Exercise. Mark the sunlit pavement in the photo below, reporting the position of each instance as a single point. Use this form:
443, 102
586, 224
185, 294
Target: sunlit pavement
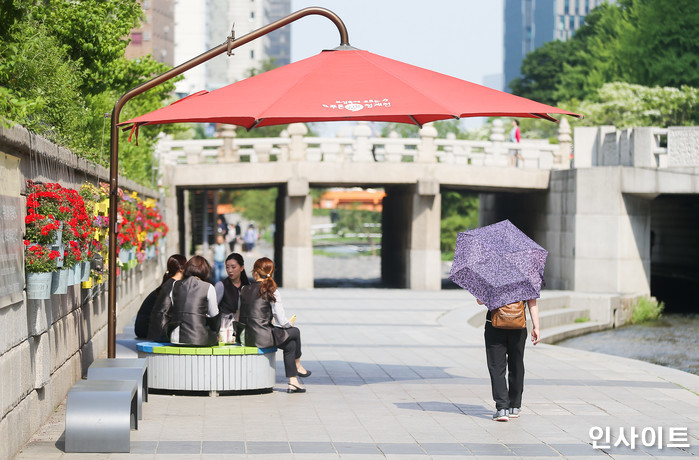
400, 374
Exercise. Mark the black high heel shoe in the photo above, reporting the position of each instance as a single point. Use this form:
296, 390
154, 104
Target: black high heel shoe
307, 374
294, 389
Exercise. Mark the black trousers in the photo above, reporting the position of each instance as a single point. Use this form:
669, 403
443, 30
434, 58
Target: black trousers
504, 350
292, 350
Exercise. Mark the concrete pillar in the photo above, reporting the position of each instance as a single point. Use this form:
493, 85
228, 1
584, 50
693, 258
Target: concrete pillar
612, 235
498, 155
644, 143
283, 148
424, 258
393, 148
297, 250
561, 159
297, 147
228, 153
262, 152
362, 146
427, 149
193, 153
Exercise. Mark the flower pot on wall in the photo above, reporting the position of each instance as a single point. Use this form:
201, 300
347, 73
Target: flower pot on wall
124, 255
77, 273
59, 284
39, 285
84, 271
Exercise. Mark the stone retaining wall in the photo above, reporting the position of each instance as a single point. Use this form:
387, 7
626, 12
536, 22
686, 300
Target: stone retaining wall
46, 345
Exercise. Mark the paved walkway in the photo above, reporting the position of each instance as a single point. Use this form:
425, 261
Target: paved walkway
401, 375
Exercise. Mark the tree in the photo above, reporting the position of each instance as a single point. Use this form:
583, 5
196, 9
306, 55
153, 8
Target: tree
257, 205
541, 72
459, 213
646, 42
625, 105
60, 74
663, 46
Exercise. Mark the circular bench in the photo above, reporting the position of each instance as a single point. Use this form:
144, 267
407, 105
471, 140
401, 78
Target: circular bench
213, 369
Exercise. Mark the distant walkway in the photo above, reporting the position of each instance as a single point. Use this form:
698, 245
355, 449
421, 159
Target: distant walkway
400, 374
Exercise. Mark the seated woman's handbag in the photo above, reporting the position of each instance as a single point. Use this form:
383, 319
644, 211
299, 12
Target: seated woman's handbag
510, 316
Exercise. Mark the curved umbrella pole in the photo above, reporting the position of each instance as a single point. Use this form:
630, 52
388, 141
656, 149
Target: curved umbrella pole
226, 47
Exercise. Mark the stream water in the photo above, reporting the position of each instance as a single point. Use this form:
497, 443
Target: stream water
671, 341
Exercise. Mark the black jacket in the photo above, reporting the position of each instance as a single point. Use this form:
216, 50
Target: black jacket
256, 314
190, 306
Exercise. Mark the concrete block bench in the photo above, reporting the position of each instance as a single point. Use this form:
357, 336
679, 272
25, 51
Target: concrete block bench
135, 369
213, 369
100, 415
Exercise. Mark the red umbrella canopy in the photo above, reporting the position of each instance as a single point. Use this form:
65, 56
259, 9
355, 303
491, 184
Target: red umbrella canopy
346, 84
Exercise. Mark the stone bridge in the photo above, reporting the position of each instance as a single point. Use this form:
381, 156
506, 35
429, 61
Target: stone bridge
627, 199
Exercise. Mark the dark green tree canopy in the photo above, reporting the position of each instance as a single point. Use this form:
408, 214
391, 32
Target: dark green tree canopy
62, 68
642, 42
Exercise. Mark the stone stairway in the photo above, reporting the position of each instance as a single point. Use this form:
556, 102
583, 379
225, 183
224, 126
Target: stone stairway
563, 316
559, 320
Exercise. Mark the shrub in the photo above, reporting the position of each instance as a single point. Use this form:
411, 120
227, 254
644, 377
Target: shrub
647, 309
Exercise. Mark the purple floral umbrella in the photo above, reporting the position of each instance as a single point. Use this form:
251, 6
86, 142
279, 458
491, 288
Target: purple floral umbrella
498, 264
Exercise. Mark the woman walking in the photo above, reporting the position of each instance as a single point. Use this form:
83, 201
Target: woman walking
504, 350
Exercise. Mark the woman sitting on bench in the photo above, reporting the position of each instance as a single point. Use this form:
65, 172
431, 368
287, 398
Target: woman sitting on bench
194, 311
266, 325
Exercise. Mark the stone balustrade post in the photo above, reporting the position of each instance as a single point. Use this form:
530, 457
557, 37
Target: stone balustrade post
427, 149
262, 152
362, 146
297, 147
561, 159
194, 153
497, 137
393, 149
228, 152
284, 147
449, 153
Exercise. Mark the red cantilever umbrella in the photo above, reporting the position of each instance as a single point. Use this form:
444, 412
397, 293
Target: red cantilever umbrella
346, 84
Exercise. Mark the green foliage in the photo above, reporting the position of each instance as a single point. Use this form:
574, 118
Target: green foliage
662, 47
353, 220
62, 68
645, 42
541, 72
647, 309
459, 213
625, 105
582, 319
45, 84
257, 205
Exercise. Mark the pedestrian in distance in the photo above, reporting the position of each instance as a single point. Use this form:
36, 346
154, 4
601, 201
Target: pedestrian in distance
264, 322
220, 251
504, 349
515, 137
250, 238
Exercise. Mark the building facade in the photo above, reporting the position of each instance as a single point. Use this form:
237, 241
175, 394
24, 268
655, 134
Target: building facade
531, 23
205, 24
156, 36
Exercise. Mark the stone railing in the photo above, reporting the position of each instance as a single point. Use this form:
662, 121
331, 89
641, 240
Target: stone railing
647, 147
295, 145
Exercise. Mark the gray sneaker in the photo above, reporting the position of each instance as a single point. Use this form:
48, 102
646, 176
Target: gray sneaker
514, 412
501, 416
